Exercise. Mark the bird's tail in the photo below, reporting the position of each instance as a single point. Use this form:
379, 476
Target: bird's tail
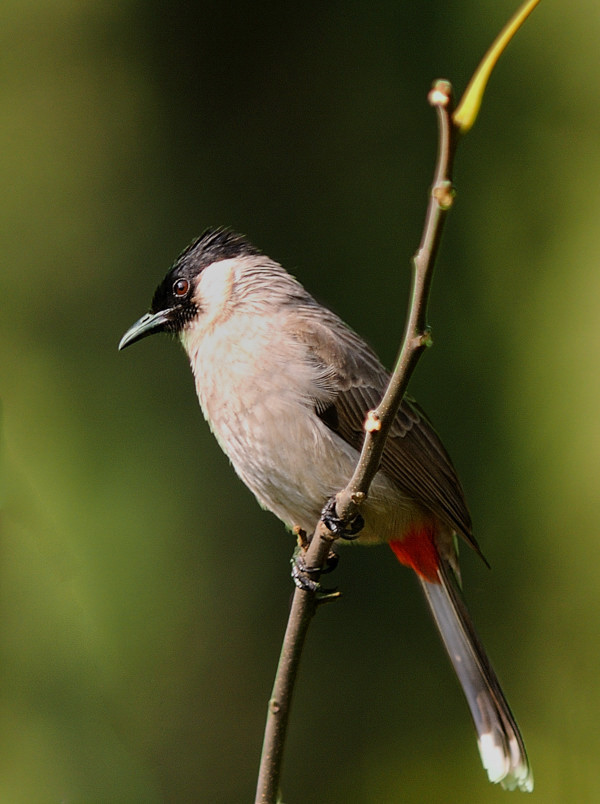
500, 743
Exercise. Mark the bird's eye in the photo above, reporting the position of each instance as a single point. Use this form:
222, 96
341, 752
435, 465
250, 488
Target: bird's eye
181, 288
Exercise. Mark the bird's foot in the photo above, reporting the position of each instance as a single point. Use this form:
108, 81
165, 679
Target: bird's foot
305, 577
343, 529
303, 542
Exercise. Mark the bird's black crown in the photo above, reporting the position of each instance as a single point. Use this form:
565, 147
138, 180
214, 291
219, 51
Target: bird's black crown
212, 245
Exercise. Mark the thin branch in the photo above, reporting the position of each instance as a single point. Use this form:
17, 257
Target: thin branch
379, 421
417, 335
302, 610
416, 339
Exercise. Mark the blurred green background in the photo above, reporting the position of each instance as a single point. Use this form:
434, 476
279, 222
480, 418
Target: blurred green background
143, 593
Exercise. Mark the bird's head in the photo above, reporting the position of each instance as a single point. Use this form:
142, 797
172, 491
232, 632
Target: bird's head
197, 287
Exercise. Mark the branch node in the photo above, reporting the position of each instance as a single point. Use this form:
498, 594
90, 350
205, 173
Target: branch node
302, 539
444, 193
328, 597
426, 338
441, 93
372, 422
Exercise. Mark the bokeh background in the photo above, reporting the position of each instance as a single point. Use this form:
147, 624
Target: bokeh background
143, 593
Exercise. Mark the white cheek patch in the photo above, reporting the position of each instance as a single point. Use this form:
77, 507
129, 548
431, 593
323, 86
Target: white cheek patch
214, 287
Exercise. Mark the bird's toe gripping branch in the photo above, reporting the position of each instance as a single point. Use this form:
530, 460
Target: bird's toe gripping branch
306, 578
348, 530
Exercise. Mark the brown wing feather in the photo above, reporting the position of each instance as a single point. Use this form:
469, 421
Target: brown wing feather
353, 381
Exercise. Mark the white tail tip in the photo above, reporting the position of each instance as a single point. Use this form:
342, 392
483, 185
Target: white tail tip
512, 775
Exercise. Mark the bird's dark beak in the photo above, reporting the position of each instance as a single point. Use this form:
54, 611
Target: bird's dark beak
147, 325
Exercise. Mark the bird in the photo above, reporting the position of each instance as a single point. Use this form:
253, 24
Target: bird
285, 386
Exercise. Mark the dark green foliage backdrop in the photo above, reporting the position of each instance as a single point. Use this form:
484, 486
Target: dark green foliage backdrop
143, 594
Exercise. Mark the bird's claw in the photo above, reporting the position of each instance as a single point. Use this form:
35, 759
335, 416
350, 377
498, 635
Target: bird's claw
302, 575
347, 530
331, 562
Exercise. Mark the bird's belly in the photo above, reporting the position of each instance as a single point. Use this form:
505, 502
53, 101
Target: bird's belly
289, 459
293, 464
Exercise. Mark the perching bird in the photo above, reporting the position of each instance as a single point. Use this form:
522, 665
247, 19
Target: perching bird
285, 386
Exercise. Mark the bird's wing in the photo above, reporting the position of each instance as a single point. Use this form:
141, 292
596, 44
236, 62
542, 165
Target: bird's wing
353, 382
